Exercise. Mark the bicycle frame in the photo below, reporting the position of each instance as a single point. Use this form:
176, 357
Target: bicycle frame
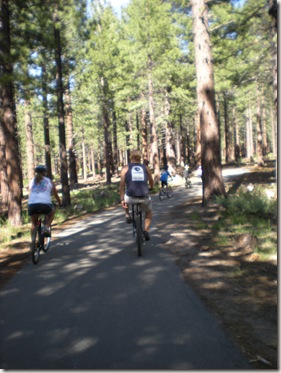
166, 191
137, 226
39, 241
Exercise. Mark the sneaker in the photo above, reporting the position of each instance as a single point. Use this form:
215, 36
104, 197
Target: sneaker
146, 235
128, 219
46, 231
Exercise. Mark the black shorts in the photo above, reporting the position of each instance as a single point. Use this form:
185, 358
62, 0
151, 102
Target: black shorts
164, 183
39, 208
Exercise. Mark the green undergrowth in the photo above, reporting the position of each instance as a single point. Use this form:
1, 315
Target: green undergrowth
83, 201
254, 213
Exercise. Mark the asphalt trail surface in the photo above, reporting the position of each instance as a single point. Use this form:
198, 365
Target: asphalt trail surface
92, 303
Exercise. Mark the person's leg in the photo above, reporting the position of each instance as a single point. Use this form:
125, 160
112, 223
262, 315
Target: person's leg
147, 208
50, 218
127, 212
147, 220
33, 220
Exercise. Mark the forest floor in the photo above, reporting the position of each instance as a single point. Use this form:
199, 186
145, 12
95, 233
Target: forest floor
244, 299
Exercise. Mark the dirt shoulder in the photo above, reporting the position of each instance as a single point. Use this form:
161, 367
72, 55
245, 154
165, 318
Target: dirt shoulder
236, 286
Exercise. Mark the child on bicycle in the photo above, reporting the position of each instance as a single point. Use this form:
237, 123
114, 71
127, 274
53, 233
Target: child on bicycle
40, 190
164, 177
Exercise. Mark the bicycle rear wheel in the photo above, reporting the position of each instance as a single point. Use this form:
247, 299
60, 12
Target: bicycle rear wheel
35, 247
161, 195
139, 237
169, 192
46, 243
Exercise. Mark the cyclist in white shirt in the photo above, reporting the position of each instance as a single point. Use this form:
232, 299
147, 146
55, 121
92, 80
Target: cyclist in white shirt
40, 190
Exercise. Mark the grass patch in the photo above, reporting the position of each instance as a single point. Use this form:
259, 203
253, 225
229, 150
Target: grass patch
83, 201
253, 213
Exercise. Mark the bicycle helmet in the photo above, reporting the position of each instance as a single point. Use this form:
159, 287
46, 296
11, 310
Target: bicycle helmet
40, 169
166, 167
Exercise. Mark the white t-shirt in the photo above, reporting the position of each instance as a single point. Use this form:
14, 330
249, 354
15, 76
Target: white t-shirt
40, 193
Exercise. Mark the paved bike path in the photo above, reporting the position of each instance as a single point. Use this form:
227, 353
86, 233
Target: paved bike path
91, 303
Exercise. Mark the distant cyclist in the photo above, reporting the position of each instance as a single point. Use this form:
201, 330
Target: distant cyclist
135, 178
40, 190
186, 172
164, 176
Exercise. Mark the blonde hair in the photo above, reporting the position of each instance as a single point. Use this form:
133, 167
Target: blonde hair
136, 155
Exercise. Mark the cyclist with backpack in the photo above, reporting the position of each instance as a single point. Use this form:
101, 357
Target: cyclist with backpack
135, 178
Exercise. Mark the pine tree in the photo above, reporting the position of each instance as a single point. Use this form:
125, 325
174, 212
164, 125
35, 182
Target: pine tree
9, 132
210, 153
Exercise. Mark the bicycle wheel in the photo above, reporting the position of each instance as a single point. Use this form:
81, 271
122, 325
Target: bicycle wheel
139, 238
169, 192
35, 247
161, 195
46, 243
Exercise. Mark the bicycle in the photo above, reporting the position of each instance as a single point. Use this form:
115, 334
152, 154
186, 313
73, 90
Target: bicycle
165, 191
137, 224
188, 183
39, 241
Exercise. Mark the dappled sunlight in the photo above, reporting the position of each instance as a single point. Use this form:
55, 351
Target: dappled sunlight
48, 290
101, 290
82, 345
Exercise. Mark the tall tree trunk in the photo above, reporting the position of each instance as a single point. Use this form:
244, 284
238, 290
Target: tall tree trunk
250, 147
48, 159
84, 157
273, 12
273, 129
128, 150
198, 138
9, 125
60, 108
170, 141
70, 137
259, 131
226, 129
177, 148
145, 154
4, 187
115, 143
154, 144
93, 161
237, 150
107, 143
264, 130
29, 139
210, 152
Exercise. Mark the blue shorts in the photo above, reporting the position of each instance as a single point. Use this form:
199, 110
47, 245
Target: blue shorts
39, 208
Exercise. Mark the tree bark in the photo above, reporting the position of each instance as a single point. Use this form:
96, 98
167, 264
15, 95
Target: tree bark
154, 144
259, 131
29, 139
60, 108
145, 154
48, 159
169, 138
70, 137
210, 147
249, 147
9, 125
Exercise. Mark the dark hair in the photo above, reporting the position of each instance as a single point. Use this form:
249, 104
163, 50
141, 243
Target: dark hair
39, 170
